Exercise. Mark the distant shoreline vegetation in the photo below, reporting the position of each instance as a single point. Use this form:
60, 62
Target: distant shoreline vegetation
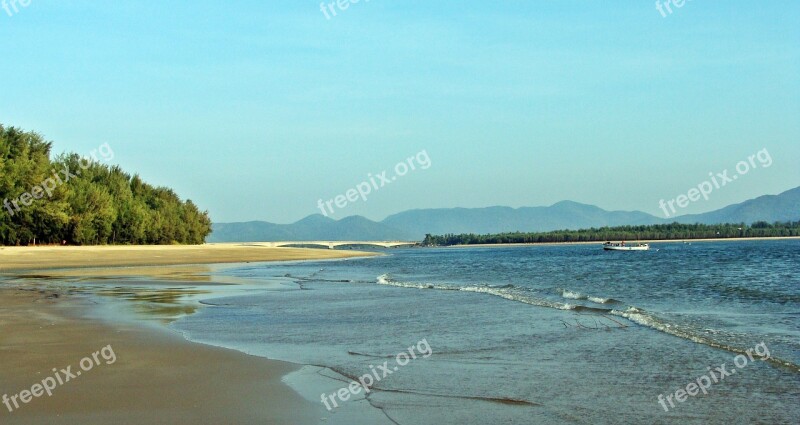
666, 232
73, 200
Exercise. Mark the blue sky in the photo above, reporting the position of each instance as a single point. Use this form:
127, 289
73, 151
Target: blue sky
255, 110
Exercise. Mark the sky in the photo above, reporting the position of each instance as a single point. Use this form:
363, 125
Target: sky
258, 110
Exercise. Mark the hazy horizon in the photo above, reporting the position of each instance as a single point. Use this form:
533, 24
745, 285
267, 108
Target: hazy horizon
379, 219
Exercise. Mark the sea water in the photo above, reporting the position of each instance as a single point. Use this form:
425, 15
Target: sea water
534, 334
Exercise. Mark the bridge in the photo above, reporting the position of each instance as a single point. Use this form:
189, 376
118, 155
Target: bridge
333, 244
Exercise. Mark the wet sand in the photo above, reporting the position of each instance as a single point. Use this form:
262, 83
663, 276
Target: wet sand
158, 377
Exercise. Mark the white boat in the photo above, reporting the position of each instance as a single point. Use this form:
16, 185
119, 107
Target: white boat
621, 246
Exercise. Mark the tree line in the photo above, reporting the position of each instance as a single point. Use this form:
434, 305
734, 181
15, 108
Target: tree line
77, 200
672, 231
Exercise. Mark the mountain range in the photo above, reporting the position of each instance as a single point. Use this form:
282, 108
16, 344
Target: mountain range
412, 225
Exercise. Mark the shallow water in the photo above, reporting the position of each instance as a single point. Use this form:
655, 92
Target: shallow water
540, 334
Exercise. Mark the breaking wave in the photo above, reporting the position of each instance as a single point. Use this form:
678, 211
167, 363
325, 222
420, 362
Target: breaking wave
633, 314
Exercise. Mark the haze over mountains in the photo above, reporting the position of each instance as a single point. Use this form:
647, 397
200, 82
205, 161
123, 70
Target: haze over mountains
414, 224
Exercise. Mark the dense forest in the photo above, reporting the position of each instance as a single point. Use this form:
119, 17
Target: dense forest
80, 200
673, 231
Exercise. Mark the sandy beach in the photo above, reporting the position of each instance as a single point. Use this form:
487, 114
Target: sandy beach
156, 376
54, 257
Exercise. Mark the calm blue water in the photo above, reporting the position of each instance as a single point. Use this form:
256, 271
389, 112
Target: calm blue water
542, 334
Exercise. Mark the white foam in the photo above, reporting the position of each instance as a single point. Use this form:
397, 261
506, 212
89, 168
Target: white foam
599, 300
504, 292
573, 295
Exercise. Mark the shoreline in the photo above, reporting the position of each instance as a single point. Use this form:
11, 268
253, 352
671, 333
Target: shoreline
160, 374
640, 240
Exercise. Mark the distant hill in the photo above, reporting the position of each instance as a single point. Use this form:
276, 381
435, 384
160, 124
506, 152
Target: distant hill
414, 224
769, 208
313, 227
563, 215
